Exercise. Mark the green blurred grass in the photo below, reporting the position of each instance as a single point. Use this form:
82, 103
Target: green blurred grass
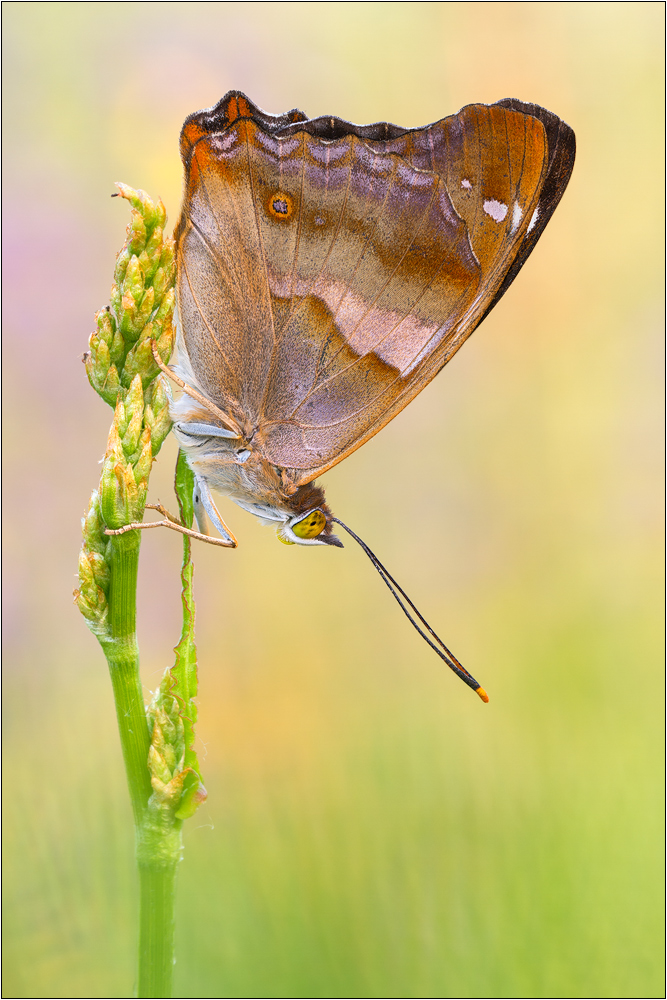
371, 829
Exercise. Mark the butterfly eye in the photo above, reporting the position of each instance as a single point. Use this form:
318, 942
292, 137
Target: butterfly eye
311, 525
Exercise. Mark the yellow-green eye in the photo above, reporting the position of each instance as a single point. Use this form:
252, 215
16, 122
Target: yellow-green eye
311, 525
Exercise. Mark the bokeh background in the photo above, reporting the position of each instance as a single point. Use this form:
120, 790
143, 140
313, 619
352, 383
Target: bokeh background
372, 829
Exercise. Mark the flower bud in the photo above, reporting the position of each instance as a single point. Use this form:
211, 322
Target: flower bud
146, 306
122, 260
160, 771
136, 233
140, 360
167, 258
134, 400
115, 297
192, 796
86, 575
120, 500
159, 284
100, 570
97, 362
165, 344
118, 349
106, 326
156, 414
160, 214
111, 388
150, 258
142, 466
134, 279
141, 203
166, 309
90, 597
92, 526
130, 439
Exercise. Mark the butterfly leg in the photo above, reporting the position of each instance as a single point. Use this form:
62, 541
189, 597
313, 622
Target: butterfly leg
197, 429
204, 506
228, 541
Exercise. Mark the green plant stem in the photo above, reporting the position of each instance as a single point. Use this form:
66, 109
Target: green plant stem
158, 852
122, 652
158, 839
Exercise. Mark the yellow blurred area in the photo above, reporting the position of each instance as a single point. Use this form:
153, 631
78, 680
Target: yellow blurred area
372, 829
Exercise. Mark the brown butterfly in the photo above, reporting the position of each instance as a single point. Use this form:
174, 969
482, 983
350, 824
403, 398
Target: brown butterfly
326, 273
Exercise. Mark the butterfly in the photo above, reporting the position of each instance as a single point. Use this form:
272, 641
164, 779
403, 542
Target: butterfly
326, 272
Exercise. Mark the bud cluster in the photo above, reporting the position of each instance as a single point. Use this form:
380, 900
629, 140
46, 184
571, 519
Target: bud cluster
94, 574
142, 304
128, 460
121, 368
177, 787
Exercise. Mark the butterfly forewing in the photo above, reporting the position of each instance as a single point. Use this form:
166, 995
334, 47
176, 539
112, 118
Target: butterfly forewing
326, 274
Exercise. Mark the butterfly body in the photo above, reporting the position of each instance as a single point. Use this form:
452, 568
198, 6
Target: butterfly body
327, 272
235, 465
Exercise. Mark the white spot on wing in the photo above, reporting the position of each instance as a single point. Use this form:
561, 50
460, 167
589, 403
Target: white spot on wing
533, 220
466, 184
496, 209
517, 213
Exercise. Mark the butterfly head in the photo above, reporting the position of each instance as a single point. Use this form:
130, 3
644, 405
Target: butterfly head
305, 517
312, 528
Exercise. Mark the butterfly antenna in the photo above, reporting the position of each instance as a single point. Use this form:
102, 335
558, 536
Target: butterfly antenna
402, 598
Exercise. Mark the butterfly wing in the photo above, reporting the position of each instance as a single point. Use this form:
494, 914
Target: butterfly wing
327, 272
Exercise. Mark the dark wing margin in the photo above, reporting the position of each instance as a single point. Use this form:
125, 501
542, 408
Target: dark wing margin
562, 149
230, 109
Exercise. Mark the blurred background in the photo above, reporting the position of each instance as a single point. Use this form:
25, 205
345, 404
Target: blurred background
372, 829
